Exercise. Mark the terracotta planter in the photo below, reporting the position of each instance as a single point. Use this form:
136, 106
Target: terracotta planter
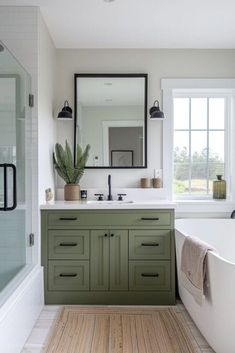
72, 192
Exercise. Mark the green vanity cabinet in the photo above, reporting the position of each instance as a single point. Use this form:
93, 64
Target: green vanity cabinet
119, 256
109, 260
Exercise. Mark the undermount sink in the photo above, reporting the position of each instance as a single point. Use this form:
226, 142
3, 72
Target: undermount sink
106, 202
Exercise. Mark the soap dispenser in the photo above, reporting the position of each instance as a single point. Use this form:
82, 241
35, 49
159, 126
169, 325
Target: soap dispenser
219, 188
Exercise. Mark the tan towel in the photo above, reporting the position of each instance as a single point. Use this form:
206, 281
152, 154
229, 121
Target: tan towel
193, 266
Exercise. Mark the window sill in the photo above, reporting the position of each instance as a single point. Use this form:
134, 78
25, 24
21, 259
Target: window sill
204, 206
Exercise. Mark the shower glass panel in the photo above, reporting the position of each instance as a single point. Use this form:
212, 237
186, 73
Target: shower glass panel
15, 173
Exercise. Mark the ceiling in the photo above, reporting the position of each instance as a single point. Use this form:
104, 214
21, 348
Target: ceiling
137, 23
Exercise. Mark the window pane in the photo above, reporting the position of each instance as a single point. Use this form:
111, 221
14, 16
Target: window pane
181, 113
199, 178
199, 162
216, 145
181, 178
181, 146
216, 155
199, 113
199, 146
181, 162
216, 113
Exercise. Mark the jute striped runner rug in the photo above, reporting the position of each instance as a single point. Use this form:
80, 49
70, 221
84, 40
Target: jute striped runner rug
119, 330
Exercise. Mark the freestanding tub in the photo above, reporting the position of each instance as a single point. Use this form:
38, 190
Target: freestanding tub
216, 317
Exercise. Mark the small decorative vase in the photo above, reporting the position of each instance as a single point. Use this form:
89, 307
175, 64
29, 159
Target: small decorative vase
145, 183
156, 182
72, 192
219, 188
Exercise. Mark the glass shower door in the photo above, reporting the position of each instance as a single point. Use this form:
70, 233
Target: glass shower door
15, 173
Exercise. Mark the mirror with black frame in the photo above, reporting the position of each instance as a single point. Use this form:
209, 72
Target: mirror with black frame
111, 116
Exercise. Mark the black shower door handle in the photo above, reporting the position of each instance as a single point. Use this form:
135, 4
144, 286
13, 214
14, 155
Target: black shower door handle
5, 207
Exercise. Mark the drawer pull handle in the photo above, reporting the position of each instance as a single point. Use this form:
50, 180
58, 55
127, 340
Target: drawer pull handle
149, 219
68, 244
68, 274
149, 244
149, 274
68, 218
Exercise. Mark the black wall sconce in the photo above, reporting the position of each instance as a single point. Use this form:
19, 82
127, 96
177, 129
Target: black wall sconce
66, 112
155, 112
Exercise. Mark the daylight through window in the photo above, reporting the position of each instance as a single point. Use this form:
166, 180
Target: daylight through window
199, 143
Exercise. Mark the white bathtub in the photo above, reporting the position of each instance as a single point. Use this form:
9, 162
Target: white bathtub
216, 317
20, 310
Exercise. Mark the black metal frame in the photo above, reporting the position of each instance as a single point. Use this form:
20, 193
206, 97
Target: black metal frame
145, 76
5, 207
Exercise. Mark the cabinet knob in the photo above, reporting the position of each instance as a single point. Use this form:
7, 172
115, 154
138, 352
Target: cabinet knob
112, 235
106, 235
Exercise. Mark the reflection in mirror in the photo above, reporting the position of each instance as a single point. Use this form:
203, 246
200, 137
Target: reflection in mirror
110, 115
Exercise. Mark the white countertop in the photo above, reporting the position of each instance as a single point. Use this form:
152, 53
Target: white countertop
104, 205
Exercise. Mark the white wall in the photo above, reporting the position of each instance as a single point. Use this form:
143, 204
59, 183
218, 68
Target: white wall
162, 63
46, 122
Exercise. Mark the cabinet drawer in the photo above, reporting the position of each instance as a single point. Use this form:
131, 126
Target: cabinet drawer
68, 244
107, 218
149, 275
149, 244
68, 275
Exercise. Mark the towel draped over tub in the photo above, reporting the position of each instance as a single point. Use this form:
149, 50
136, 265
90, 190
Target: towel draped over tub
193, 266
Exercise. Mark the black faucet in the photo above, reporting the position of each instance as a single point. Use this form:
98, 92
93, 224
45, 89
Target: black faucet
233, 214
110, 197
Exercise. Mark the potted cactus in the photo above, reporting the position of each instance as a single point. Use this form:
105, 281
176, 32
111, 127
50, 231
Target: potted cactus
69, 171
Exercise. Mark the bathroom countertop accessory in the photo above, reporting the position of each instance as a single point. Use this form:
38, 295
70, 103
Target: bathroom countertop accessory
219, 188
145, 183
48, 195
83, 194
69, 170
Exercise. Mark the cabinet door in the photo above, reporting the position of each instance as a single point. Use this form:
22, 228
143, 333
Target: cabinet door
99, 260
118, 260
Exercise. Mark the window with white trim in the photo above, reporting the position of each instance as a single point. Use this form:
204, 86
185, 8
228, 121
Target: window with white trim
198, 136
199, 142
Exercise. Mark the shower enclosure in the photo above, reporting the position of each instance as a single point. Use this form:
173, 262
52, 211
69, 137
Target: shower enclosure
16, 239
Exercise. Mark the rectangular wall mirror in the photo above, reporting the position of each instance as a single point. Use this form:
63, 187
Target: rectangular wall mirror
111, 116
